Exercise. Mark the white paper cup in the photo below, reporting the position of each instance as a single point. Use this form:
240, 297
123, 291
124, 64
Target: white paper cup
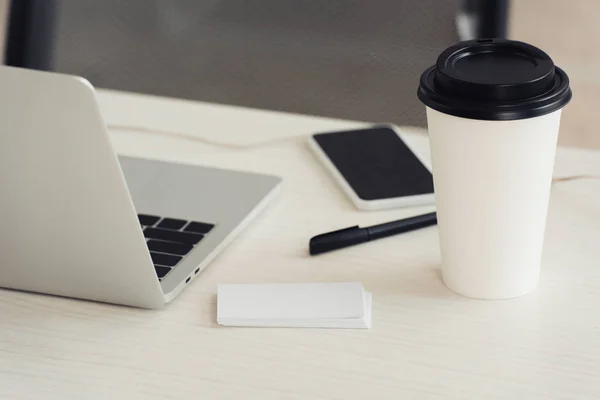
492, 185
492, 177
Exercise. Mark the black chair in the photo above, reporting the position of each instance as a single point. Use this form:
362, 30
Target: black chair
490, 17
30, 34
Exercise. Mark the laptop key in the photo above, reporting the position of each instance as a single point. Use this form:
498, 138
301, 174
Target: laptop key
198, 227
167, 260
148, 220
161, 271
169, 247
172, 223
172, 236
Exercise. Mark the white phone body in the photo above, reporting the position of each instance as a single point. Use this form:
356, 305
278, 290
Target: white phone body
372, 204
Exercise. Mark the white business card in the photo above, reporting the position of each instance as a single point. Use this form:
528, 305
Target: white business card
326, 305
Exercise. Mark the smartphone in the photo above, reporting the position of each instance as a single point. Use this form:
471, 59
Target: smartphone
375, 167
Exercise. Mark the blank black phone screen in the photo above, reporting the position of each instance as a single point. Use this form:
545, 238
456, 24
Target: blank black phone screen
376, 163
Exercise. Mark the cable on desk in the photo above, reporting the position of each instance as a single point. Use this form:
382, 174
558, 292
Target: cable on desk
573, 178
192, 137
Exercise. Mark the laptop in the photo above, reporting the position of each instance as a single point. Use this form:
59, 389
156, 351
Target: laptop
78, 221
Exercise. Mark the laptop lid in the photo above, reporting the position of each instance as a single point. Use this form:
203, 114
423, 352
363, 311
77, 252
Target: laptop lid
68, 226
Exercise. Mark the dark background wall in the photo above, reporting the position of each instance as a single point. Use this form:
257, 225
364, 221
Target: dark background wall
352, 59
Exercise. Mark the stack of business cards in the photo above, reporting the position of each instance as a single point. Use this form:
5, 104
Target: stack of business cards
299, 305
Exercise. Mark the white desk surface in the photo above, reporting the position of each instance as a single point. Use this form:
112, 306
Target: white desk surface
426, 342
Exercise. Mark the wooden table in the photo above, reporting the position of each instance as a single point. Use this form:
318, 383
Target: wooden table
426, 342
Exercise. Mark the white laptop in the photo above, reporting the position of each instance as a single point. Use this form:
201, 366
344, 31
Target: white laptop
78, 221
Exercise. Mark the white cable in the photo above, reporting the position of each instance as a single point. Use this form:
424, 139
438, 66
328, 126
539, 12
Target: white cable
188, 136
195, 138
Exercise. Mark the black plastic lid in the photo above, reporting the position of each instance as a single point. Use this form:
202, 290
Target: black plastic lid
494, 79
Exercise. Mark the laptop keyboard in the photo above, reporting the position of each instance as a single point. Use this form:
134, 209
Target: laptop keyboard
169, 240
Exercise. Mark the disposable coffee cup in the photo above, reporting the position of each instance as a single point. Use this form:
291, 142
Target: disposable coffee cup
493, 113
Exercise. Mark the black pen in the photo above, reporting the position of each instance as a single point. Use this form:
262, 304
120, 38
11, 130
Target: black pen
356, 235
